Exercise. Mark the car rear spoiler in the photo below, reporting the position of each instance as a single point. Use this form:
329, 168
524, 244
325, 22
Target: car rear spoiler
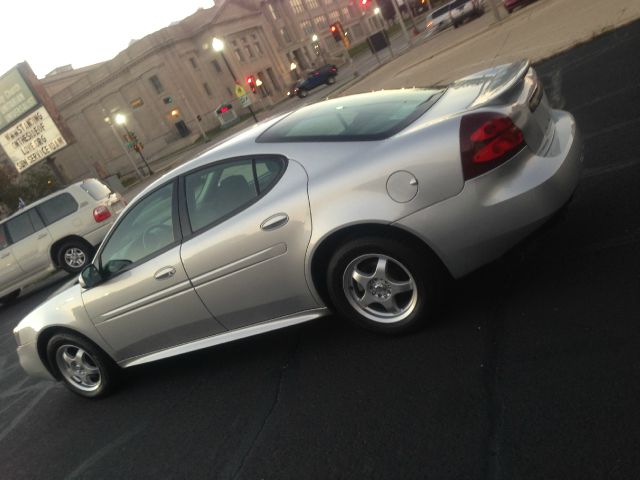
505, 78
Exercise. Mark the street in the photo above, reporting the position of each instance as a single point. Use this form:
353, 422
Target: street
530, 372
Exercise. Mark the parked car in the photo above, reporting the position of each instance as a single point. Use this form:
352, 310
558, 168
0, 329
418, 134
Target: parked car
59, 231
362, 205
438, 20
453, 13
511, 5
325, 75
463, 10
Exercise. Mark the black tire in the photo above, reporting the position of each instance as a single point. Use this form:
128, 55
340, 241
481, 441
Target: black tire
85, 369
9, 299
302, 93
331, 80
74, 255
412, 269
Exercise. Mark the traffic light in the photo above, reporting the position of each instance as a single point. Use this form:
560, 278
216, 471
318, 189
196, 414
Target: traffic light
251, 80
336, 31
364, 3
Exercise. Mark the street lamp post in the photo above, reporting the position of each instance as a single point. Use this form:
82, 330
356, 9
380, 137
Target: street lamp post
218, 46
377, 11
126, 150
122, 120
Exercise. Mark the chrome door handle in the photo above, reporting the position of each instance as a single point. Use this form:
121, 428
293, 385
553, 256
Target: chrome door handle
165, 273
275, 221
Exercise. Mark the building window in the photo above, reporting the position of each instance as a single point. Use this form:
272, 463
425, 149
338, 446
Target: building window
234, 43
334, 16
216, 66
312, 3
193, 63
306, 27
207, 90
157, 84
285, 35
249, 51
346, 14
229, 92
296, 6
258, 48
321, 22
239, 55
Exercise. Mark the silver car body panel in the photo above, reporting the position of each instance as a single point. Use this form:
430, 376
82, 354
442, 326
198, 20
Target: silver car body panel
240, 277
227, 337
245, 274
136, 313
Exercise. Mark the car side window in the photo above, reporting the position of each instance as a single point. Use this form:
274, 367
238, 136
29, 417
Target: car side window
215, 192
146, 229
22, 226
4, 243
57, 208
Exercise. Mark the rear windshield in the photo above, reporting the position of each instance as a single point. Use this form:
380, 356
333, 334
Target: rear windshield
356, 118
439, 12
96, 189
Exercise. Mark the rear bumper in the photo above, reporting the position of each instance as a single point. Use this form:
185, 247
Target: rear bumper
498, 209
31, 363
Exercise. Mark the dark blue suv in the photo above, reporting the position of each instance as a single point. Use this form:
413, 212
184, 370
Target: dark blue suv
321, 76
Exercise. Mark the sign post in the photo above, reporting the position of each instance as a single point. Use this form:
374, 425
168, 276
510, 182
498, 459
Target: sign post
245, 101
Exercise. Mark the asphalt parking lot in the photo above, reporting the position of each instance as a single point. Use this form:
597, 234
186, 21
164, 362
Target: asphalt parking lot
531, 371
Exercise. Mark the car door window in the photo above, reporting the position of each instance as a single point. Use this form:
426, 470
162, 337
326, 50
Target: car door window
215, 192
24, 225
3, 238
147, 229
57, 208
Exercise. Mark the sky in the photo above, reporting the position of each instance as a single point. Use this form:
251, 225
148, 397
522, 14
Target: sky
52, 33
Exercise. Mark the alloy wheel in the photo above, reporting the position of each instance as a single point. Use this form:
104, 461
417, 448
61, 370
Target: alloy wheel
78, 367
380, 288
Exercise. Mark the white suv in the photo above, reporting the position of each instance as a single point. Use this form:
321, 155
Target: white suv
58, 231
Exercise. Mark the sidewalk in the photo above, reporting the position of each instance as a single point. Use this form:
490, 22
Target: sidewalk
540, 30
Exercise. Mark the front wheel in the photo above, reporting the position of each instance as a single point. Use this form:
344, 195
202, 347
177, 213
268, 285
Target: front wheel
9, 299
83, 367
331, 80
302, 93
383, 285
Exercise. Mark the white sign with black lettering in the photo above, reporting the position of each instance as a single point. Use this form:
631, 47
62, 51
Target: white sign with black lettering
245, 101
32, 139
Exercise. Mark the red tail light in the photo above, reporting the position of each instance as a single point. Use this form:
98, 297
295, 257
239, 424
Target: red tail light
486, 141
101, 213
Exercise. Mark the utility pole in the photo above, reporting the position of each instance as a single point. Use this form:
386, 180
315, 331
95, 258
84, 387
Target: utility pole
494, 9
402, 25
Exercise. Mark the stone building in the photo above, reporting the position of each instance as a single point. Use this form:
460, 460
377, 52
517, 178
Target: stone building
169, 84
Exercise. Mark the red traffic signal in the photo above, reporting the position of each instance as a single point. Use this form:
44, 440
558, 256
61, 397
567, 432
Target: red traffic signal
251, 80
336, 31
364, 3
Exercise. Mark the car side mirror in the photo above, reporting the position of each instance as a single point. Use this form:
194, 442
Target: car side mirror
90, 276
114, 266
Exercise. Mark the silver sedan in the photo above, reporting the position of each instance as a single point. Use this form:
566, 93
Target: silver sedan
360, 205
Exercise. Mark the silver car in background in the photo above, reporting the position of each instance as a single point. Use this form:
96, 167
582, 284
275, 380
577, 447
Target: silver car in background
361, 205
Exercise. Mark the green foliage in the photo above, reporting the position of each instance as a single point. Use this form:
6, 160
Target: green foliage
32, 185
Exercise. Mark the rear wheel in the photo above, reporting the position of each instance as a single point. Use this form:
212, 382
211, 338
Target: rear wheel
74, 255
383, 285
331, 80
83, 367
